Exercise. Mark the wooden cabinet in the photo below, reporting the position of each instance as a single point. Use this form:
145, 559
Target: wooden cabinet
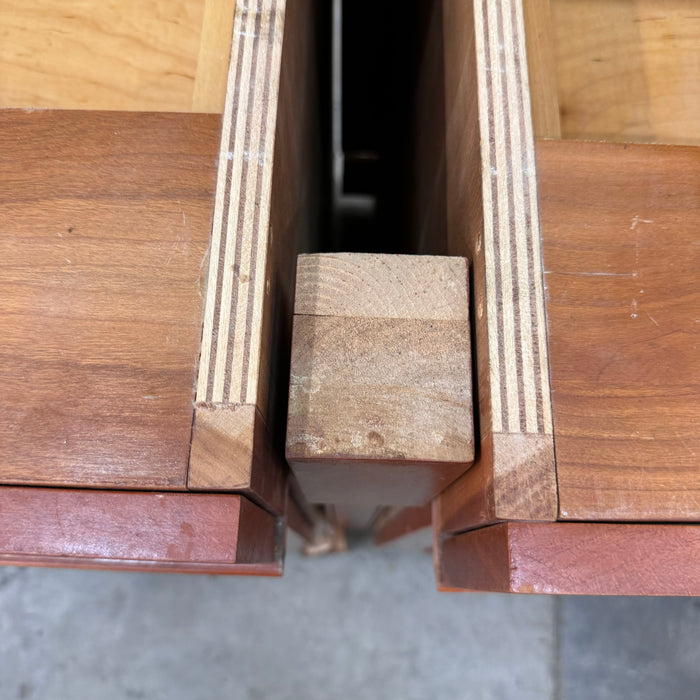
147, 271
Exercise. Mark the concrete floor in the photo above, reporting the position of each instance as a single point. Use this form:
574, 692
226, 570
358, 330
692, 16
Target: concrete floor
366, 624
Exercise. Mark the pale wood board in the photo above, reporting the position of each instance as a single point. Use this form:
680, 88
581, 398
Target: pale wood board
108, 54
628, 70
542, 70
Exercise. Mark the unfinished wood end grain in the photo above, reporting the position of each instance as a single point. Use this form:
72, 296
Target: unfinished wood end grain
232, 450
380, 394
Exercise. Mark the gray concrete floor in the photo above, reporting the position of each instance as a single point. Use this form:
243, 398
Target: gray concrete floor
366, 624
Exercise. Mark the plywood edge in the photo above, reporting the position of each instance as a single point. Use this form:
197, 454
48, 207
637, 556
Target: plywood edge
138, 531
232, 450
573, 559
232, 327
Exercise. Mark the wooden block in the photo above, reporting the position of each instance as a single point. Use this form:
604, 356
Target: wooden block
380, 391
105, 223
194, 533
108, 54
573, 559
620, 234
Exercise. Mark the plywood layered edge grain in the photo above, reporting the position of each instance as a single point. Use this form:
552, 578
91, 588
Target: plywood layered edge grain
493, 219
264, 213
141, 531
573, 559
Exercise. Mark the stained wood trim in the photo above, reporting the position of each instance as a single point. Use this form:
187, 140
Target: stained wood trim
573, 558
230, 353
149, 531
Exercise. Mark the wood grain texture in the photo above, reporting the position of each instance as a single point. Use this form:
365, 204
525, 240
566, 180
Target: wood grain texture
195, 533
236, 281
492, 218
574, 559
209, 90
232, 450
135, 55
380, 408
102, 234
620, 232
265, 212
542, 69
360, 285
628, 70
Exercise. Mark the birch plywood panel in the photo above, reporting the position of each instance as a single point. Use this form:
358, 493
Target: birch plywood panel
620, 234
492, 219
264, 214
103, 229
159, 55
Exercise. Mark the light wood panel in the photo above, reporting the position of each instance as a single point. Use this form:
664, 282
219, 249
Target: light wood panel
193, 533
104, 226
620, 232
573, 559
265, 212
492, 219
542, 68
627, 70
380, 405
106, 54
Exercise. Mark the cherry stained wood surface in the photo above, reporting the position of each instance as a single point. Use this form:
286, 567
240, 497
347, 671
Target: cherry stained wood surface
150, 55
395, 523
197, 533
573, 558
622, 262
104, 226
